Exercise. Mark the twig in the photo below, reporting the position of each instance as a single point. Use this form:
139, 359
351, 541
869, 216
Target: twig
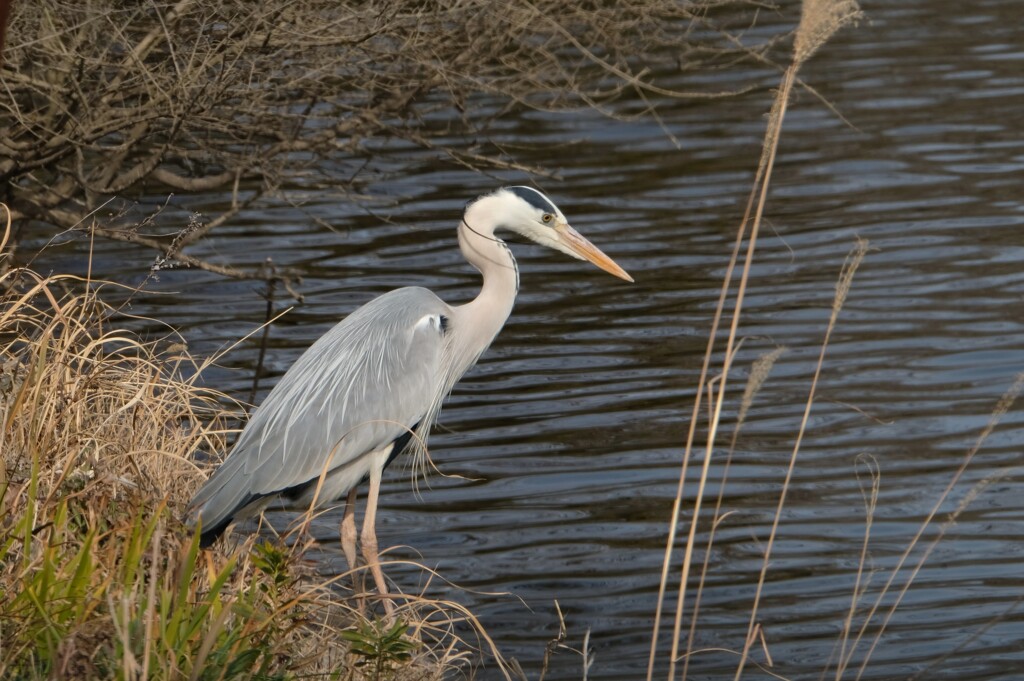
268, 295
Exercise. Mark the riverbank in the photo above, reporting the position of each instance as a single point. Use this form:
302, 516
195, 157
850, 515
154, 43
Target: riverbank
100, 579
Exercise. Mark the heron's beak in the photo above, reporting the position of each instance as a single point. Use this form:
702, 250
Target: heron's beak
580, 246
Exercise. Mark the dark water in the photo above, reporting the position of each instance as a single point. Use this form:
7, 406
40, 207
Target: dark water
569, 432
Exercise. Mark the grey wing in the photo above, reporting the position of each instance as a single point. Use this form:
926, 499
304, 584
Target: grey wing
361, 386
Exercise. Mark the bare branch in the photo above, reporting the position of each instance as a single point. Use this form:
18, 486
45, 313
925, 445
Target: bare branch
192, 184
106, 99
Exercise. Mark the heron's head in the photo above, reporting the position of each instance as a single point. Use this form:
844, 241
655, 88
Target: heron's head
528, 212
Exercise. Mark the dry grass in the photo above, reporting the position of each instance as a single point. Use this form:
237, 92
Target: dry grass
866, 620
820, 19
98, 577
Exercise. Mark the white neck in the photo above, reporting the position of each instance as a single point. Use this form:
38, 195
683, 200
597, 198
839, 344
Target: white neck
476, 323
481, 319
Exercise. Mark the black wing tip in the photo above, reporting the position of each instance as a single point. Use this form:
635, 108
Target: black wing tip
209, 535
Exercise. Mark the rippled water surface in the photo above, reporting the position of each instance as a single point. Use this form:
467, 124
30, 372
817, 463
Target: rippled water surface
566, 439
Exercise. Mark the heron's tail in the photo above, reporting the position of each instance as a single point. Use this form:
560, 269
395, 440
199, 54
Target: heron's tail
208, 536
218, 502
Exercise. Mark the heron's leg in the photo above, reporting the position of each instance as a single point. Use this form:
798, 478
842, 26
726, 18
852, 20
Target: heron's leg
348, 529
369, 537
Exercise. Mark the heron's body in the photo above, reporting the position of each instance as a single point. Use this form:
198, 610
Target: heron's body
375, 382
322, 418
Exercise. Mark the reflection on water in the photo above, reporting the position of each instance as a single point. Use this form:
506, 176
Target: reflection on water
567, 437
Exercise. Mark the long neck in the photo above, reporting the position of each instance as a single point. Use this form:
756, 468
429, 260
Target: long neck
481, 319
476, 323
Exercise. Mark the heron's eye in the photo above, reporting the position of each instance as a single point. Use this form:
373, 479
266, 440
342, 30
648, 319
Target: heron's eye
547, 217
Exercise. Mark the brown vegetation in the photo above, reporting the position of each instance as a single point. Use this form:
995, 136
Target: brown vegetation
819, 20
870, 611
109, 99
99, 578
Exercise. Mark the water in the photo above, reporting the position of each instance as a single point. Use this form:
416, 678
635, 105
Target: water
568, 434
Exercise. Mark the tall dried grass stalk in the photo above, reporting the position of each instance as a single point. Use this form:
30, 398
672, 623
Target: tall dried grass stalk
850, 265
870, 463
759, 373
1002, 407
761, 192
702, 382
819, 20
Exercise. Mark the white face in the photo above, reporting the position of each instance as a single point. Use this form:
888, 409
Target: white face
528, 212
536, 217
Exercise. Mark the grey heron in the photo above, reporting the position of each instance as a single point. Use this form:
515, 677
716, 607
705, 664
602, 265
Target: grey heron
373, 385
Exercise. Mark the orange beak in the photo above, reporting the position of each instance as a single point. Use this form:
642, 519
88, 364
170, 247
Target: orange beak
578, 244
